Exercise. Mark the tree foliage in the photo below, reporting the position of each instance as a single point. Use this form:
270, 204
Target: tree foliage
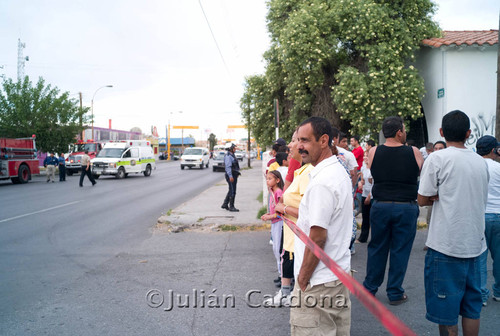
212, 141
42, 110
348, 61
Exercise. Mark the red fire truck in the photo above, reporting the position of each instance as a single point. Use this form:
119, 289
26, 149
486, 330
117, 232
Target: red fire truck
18, 159
73, 161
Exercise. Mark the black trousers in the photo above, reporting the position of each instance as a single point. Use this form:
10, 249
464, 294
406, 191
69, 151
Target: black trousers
62, 173
231, 192
365, 224
89, 174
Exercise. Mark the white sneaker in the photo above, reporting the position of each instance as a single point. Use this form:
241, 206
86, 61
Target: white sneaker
271, 242
496, 298
279, 300
286, 301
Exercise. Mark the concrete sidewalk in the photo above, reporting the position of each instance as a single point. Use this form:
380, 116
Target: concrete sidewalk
204, 210
226, 252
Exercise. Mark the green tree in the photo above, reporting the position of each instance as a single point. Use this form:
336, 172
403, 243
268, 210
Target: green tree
346, 60
42, 110
212, 141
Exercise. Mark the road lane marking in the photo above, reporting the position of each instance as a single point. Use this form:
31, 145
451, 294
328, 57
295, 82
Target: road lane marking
37, 212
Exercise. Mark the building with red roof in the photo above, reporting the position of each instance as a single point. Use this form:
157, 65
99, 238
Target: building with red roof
460, 72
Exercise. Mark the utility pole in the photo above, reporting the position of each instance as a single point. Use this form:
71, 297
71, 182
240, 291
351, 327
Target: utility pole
81, 117
277, 117
21, 60
248, 142
182, 136
497, 124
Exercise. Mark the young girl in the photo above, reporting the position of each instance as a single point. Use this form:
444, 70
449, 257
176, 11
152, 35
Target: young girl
275, 184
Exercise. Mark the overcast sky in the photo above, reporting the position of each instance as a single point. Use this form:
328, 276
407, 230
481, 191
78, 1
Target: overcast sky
160, 55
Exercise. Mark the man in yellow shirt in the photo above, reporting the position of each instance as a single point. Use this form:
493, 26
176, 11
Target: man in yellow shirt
290, 208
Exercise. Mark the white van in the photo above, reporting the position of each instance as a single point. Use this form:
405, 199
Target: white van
123, 158
219, 148
195, 157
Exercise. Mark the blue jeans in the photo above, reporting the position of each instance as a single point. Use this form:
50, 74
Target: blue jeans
492, 233
393, 226
452, 288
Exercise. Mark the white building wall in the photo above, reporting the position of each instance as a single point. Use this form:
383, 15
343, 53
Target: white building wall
468, 76
430, 63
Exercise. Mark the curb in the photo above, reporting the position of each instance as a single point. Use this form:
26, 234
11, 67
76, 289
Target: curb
204, 212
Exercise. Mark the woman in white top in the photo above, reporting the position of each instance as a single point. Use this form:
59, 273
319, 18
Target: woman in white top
366, 183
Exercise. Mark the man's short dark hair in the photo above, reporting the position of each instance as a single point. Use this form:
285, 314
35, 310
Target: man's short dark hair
342, 136
280, 157
370, 143
280, 141
335, 132
429, 146
440, 142
356, 137
282, 148
320, 126
391, 126
86, 151
276, 147
455, 125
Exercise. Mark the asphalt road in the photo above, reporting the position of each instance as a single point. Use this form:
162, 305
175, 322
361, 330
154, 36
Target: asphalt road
86, 268
53, 233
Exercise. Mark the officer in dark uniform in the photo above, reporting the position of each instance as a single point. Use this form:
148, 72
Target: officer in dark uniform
232, 172
62, 168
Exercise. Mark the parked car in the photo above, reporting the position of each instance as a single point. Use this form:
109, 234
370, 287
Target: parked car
164, 156
218, 162
195, 157
240, 155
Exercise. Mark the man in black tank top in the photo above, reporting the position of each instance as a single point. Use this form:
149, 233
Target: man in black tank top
393, 216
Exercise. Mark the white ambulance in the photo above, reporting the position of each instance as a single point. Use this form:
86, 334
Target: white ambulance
121, 158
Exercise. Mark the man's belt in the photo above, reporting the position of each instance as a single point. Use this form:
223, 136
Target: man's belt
397, 202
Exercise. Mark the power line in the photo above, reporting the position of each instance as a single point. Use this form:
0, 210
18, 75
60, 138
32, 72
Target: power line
215, 40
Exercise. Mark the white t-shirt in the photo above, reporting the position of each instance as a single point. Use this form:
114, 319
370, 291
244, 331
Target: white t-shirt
327, 203
493, 204
283, 171
460, 178
423, 150
349, 158
367, 186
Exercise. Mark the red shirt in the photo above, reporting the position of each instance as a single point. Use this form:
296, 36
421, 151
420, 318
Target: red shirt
358, 154
292, 166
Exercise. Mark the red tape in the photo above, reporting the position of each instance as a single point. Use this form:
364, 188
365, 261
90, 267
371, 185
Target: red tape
394, 325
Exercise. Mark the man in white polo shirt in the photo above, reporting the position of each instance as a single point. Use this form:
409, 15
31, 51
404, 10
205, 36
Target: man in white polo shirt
325, 215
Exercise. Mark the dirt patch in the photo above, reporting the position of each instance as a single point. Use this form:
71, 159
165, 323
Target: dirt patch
167, 227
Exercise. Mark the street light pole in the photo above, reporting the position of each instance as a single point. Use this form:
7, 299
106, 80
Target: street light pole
92, 106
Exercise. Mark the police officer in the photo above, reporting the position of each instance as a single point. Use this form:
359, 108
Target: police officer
232, 172
62, 168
